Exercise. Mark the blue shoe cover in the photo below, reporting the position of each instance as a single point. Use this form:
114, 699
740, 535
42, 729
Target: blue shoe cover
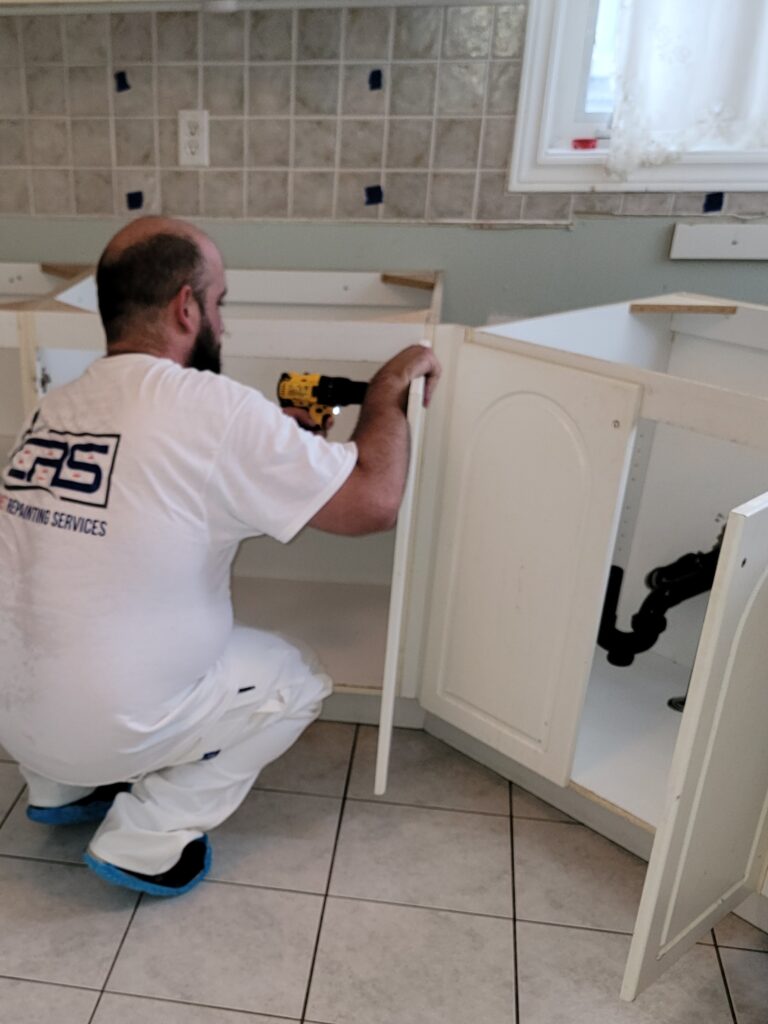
153, 885
91, 808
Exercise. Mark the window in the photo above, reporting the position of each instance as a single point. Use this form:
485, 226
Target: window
693, 116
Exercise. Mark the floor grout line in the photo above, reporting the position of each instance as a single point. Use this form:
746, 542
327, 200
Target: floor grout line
514, 904
724, 977
8, 813
256, 1014
115, 958
311, 974
391, 803
51, 984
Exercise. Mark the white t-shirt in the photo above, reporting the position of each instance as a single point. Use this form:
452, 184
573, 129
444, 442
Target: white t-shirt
120, 513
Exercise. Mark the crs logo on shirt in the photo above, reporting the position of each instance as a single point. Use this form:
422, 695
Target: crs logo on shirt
71, 467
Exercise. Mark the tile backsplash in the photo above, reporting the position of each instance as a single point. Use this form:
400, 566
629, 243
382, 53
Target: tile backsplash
372, 113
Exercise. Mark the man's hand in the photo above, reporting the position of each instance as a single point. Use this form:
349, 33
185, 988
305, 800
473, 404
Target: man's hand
414, 361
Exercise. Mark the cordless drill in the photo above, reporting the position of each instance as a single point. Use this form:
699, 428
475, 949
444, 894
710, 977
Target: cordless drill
321, 396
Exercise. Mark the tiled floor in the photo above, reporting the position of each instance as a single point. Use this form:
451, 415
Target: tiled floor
326, 904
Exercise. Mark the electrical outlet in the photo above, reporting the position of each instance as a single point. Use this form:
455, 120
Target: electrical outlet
193, 138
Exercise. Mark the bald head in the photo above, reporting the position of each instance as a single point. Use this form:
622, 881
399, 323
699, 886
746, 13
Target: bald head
144, 267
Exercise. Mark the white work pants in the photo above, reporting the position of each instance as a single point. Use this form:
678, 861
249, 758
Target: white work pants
280, 690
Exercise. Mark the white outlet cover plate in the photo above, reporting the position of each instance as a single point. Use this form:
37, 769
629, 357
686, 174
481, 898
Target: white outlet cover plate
193, 138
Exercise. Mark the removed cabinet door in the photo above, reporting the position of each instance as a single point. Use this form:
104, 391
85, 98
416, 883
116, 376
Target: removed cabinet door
710, 851
535, 464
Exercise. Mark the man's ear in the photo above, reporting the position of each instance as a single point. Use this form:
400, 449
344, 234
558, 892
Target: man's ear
185, 310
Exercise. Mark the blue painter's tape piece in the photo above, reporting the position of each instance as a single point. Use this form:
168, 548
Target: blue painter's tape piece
713, 202
135, 200
374, 194
121, 81
376, 79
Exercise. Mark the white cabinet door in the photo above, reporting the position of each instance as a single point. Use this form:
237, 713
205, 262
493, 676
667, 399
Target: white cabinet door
711, 848
535, 464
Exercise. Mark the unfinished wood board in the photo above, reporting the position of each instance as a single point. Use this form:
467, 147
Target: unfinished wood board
424, 279
694, 306
627, 733
345, 624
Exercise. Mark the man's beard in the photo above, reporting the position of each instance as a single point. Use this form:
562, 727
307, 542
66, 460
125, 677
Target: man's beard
206, 350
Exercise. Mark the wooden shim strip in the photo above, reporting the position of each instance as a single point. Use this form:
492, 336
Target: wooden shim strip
424, 279
66, 270
683, 307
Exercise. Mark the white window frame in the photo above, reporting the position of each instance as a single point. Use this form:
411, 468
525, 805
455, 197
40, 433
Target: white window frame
553, 69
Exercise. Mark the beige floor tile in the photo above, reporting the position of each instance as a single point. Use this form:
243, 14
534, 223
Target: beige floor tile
739, 934
379, 964
526, 805
4, 755
317, 763
11, 784
747, 975
567, 874
134, 1010
59, 923
228, 946
283, 840
423, 857
425, 771
24, 838
29, 1002
570, 976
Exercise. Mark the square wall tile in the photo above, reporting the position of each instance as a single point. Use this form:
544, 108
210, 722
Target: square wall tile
317, 89
180, 193
85, 38
271, 35
264, 945
268, 143
88, 91
503, 87
461, 88
177, 36
13, 145
131, 39
378, 964
48, 142
267, 195
227, 142
600, 203
224, 36
494, 202
547, 207
358, 96
269, 90
417, 33
647, 203
467, 32
405, 196
314, 143
747, 203
46, 90
497, 141
413, 89
319, 34
139, 100
133, 181
409, 142
135, 142
52, 191
11, 99
42, 39
452, 196
14, 194
457, 143
177, 89
351, 198
509, 31
312, 194
91, 145
362, 143
223, 193
10, 43
224, 89
168, 133
94, 192
368, 33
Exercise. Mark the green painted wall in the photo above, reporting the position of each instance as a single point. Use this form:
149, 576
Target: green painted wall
489, 272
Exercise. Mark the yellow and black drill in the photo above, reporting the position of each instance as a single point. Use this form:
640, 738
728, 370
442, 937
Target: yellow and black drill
321, 396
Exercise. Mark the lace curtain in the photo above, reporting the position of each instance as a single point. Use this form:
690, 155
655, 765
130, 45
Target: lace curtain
695, 77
